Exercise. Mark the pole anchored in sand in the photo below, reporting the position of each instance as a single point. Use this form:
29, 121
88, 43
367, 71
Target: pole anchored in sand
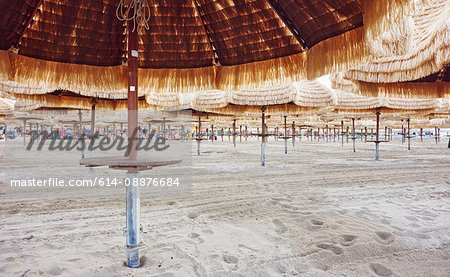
409, 136
353, 135
263, 137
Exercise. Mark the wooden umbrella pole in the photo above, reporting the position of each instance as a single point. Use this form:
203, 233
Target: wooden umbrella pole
318, 134
263, 137
221, 134
439, 134
212, 133
361, 134
421, 134
342, 133
246, 133
365, 134
353, 135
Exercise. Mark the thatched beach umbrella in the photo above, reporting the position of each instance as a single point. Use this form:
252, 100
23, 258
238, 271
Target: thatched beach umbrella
348, 103
82, 46
428, 52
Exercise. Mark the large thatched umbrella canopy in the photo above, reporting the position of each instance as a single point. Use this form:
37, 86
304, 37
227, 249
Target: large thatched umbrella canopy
427, 48
286, 99
413, 58
348, 103
6, 106
80, 46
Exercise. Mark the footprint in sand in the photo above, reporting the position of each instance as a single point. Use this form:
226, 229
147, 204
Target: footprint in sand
411, 218
192, 215
197, 238
230, 259
380, 270
330, 247
348, 240
281, 227
385, 237
316, 222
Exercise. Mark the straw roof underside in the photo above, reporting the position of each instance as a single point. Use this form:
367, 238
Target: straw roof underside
190, 45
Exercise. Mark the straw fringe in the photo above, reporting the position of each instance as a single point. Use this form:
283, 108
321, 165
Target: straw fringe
262, 73
100, 82
379, 15
337, 54
340, 83
274, 95
176, 80
422, 90
4, 66
284, 109
348, 101
313, 94
431, 51
164, 99
69, 102
6, 106
406, 90
212, 99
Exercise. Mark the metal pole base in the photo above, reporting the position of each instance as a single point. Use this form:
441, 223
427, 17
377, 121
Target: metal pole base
285, 146
377, 151
263, 154
133, 219
234, 142
132, 257
354, 145
198, 148
409, 144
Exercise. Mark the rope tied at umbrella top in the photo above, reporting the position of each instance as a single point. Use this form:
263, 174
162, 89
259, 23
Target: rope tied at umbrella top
140, 12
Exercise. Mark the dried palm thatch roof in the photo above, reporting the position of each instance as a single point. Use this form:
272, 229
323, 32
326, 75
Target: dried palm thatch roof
211, 99
351, 103
290, 98
312, 94
189, 45
69, 100
6, 106
429, 53
275, 95
429, 88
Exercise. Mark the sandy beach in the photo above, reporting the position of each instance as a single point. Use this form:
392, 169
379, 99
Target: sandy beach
320, 210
